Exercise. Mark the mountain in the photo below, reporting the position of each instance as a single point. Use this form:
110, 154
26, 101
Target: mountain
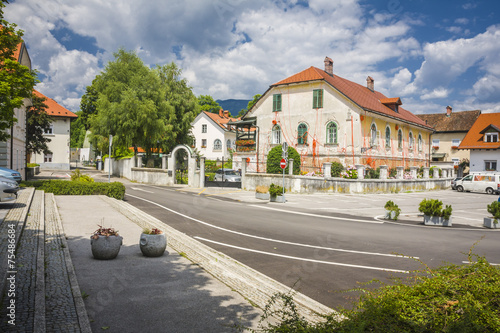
234, 106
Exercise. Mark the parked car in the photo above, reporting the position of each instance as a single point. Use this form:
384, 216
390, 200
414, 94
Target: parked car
480, 182
8, 189
227, 175
454, 183
11, 174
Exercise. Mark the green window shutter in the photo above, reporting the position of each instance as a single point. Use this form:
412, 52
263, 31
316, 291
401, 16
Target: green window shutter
317, 98
302, 134
276, 102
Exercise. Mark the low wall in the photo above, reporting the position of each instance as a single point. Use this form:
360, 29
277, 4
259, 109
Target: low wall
151, 176
120, 168
304, 184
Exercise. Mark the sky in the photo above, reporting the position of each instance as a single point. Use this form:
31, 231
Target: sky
429, 53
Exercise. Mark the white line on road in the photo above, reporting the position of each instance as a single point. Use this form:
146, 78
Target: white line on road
270, 239
304, 259
140, 189
318, 215
467, 262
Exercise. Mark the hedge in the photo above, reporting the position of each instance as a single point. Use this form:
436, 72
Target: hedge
63, 187
274, 158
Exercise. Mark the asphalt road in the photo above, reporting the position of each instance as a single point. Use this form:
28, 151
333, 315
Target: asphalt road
320, 252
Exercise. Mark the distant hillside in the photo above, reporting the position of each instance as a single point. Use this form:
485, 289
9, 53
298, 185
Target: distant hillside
233, 105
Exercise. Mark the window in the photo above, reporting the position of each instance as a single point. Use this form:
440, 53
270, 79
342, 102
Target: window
276, 102
455, 143
388, 137
490, 165
302, 134
331, 132
276, 135
373, 135
203, 143
228, 144
491, 137
204, 128
435, 143
410, 140
50, 130
400, 139
420, 142
47, 158
317, 98
217, 144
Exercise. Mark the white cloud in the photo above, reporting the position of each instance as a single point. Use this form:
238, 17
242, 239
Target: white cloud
436, 93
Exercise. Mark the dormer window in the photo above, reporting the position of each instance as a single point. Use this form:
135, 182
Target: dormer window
491, 137
392, 103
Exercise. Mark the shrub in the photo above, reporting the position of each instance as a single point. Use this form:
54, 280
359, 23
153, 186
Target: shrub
393, 173
78, 176
434, 207
32, 165
350, 173
261, 189
275, 190
431, 171
494, 210
373, 173
274, 158
63, 187
337, 169
392, 207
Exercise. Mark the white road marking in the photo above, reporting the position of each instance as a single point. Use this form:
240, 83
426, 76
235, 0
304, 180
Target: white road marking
270, 239
317, 215
304, 259
140, 189
467, 262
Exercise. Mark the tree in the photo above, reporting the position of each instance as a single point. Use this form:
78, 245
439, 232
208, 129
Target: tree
207, 103
88, 106
249, 105
16, 81
37, 123
77, 132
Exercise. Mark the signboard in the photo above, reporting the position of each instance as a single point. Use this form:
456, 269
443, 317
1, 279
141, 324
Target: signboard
283, 163
284, 147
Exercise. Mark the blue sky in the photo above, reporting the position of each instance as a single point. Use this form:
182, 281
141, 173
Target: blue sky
429, 53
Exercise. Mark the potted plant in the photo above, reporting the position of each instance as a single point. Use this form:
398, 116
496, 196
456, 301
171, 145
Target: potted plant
434, 214
276, 193
105, 243
494, 210
262, 192
392, 210
153, 242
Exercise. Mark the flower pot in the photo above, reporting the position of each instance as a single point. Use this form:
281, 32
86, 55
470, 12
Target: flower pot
262, 196
153, 245
277, 198
437, 221
489, 222
105, 247
390, 215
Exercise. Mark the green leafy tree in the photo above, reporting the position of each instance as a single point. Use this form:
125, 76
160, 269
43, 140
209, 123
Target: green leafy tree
249, 105
16, 81
77, 133
88, 105
274, 158
207, 103
37, 123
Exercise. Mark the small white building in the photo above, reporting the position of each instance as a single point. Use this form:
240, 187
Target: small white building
59, 135
214, 135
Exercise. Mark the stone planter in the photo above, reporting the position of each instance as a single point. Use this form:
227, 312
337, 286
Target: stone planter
437, 221
489, 222
153, 245
277, 198
262, 196
390, 215
105, 247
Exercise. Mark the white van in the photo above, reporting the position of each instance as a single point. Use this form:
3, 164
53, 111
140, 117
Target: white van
480, 182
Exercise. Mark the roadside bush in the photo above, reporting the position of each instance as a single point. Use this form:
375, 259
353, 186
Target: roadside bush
274, 158
392, 207
337, 169
450, 298
63, 187
494, 210
350, 173
32, 165
78, 176
434, 207
275, 190
373, 173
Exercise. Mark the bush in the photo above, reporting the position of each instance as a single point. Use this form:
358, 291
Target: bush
434, 207
431, 171
78, 176
373, 173
261, 189
393, 172
392, 207
350, 173
274, 158
32, 165
450, 298
275, 190
337, 169
494, 210
63, 187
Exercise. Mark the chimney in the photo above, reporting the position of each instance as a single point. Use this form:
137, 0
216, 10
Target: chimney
370, 83
221, 113
448, 111
226, 114
329, 66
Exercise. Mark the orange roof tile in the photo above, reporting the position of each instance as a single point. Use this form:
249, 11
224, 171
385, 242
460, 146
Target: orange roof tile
221, 120
54, 109
475, 139
365, 98
394, 100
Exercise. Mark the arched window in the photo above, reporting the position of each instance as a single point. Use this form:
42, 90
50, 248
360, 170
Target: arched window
373, 135
410, 140
276, 135
217, 144
331, 132
400, 139
228, 144
387, 136
302, 134
420, 142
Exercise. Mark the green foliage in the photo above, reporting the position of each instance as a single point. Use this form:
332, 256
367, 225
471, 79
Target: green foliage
373, 173
350, 173
78, 132
494, 210
37, 122
63, 187
207, 103
337, 169
274, 158
434, 207
431, 171
78, 176
210, 175
32, 165
450, 298
16, 81
275, 190
88, 105
392, 207
393, 173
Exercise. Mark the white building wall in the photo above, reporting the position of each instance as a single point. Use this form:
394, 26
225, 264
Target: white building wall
59, 145
213, 132
478, 157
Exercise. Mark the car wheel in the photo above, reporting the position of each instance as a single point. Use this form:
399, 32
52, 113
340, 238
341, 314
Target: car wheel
489, 190
460, 188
